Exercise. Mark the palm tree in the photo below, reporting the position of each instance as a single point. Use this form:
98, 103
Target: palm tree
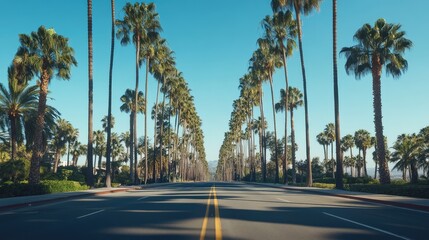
282, 27
295, 101
407, 148
47, 54
128, 106
378, 46
77, 149
140, 25
15, 102
363, 142
73, 134
347, 143
305, 7
330, 133
109, 108
90, 171
265, 60
61, 132
322, 139
339, 173
99, 140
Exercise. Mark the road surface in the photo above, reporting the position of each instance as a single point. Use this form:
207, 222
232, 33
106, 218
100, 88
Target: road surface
213, 211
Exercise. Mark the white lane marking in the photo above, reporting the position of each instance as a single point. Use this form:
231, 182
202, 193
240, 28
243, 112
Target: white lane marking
284, 200
89, 214
364, 225
142, 198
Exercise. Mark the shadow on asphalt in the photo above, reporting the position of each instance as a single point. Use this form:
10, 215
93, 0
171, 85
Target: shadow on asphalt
176, 211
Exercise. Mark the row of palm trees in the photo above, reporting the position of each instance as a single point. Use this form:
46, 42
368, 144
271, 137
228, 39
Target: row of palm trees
277, 44
44, 54
381, 45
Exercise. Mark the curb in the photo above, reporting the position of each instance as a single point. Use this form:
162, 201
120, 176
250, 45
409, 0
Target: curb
390, 203
57, 199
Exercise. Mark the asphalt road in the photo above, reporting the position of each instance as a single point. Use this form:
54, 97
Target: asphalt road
213, 211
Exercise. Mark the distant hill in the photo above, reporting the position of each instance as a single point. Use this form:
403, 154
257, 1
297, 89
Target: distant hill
212, 168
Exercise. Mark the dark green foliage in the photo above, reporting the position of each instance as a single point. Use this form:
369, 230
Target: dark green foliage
420, 191
14, 171
44, 187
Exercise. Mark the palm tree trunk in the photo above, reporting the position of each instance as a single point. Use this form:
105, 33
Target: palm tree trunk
381, 151
37, 155
145, 120
375, 172
68, 152
365, 171
13, 134
264, 148
132, 176
276, 160
339, 155
286, 106
162, 132
109, 108
154, 133
332, 159
292, 133
90, 176
56, 160
304, 80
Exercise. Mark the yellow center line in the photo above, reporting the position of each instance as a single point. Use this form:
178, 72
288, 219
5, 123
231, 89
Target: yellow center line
218, 227
206, 217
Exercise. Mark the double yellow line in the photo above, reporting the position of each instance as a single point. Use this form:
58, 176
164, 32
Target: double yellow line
218, 227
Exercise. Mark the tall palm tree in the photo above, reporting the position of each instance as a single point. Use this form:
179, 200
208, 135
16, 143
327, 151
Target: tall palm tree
140, 25
330, 133
295, 101
129, 106
305, 7
382, 45
47, 54
282, 28
90, 176
266, 60
339, 156
15, 102
109, 107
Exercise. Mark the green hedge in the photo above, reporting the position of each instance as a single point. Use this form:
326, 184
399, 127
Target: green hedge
45, 187
420, 191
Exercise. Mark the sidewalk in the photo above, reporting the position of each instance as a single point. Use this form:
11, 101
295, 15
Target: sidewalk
397, 201
34, 200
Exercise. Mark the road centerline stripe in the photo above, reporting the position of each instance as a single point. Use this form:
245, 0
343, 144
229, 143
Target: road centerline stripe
284, 200
142, 198
206, 217
218, 226
367, 226
89, 214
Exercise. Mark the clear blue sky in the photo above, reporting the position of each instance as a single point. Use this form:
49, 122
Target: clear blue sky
213, 41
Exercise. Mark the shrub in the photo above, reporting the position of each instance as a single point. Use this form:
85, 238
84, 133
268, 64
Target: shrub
15, 171
324, 185
45, 187
421, 191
